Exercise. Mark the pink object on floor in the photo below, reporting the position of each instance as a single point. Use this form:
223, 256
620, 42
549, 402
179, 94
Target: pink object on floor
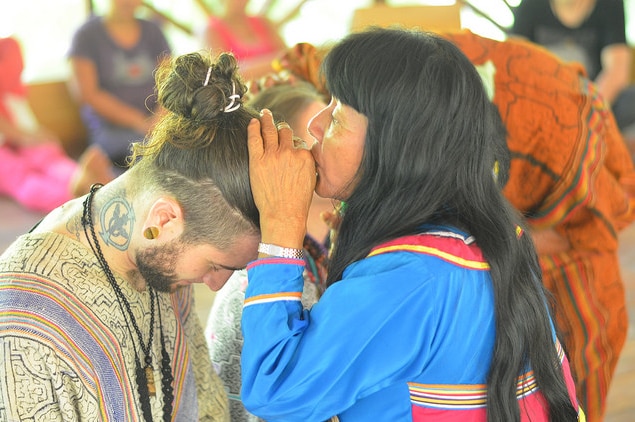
37, 177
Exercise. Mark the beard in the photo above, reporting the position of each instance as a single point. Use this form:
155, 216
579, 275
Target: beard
157, 265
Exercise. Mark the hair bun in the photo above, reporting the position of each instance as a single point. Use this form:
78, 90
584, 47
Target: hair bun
197, 88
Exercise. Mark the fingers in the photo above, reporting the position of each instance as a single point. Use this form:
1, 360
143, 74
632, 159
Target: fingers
268, 130
254, 140
264, 134
285, 134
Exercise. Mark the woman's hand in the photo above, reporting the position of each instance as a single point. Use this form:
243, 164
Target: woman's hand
282, 180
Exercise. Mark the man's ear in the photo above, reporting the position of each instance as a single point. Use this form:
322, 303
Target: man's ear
164, 220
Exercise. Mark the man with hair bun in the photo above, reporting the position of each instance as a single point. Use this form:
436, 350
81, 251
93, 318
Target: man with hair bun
96, 301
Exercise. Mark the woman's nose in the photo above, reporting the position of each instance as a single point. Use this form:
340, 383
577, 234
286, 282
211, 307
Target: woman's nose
316, 126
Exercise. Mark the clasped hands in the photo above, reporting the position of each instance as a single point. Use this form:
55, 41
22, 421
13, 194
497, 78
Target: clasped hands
282, 176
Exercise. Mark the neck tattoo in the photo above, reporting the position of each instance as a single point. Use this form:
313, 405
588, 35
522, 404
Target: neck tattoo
144, 374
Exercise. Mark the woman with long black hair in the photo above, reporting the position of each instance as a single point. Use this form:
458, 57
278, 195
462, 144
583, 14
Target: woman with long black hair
435, 308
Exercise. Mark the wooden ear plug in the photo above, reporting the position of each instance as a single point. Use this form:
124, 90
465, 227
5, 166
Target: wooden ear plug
151, 232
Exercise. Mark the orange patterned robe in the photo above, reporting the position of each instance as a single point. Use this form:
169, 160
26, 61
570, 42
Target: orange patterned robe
571, 172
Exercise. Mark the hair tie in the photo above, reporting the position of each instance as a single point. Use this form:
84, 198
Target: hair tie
233, 105
209, 72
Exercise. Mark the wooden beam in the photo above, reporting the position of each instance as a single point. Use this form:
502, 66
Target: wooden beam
168, 18
290, 15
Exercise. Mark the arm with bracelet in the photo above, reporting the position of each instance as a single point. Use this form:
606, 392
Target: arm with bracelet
283, 179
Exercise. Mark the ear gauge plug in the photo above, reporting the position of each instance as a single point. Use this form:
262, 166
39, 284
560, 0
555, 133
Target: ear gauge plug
151, 232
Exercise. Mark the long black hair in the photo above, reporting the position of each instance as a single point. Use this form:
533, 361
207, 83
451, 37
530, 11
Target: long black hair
432, 145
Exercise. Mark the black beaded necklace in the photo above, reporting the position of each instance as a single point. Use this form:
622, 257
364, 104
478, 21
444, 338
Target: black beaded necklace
144, 374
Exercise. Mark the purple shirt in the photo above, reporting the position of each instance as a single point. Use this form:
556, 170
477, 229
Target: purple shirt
125, 73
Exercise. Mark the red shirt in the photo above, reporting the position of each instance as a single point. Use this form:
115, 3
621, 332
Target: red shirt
11, 66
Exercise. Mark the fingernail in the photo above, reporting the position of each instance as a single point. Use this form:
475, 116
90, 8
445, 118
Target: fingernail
299, 143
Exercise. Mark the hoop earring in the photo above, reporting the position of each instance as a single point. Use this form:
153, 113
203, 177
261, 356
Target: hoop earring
151, 232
